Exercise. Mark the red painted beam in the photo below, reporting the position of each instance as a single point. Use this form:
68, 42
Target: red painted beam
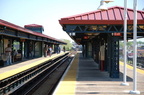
111, 22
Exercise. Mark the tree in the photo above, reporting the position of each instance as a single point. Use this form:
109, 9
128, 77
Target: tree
69, 44
129, 44
121, 44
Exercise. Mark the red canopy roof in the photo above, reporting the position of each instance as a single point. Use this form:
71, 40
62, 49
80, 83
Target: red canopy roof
16, 27
114, 15
33, 25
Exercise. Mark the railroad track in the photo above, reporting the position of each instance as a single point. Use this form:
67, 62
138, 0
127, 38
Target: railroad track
29, 81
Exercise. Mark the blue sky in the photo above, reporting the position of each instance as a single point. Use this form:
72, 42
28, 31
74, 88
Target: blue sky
48, 12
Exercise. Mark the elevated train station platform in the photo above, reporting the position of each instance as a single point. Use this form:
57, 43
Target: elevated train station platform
84, 78
99, 72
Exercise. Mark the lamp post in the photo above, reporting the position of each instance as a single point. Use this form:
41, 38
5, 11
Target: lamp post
102, 4
134, 91
103, 7
125, 45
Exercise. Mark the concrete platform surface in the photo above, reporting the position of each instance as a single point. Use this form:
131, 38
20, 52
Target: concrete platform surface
91, 81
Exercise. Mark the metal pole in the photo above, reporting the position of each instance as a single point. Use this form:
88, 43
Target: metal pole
125, 45
134, 91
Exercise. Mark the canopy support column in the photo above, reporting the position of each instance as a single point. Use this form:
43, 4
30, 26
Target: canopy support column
113, 56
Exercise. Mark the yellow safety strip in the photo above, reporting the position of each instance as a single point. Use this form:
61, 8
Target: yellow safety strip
68, 84
131, 67
20, 69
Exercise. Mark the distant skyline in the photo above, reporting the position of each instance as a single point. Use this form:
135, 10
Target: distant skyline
48, 12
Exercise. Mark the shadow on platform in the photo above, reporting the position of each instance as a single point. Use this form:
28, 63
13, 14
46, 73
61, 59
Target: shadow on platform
89, 71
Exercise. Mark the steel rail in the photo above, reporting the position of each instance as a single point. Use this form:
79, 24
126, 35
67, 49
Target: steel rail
45, 77
17, 81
